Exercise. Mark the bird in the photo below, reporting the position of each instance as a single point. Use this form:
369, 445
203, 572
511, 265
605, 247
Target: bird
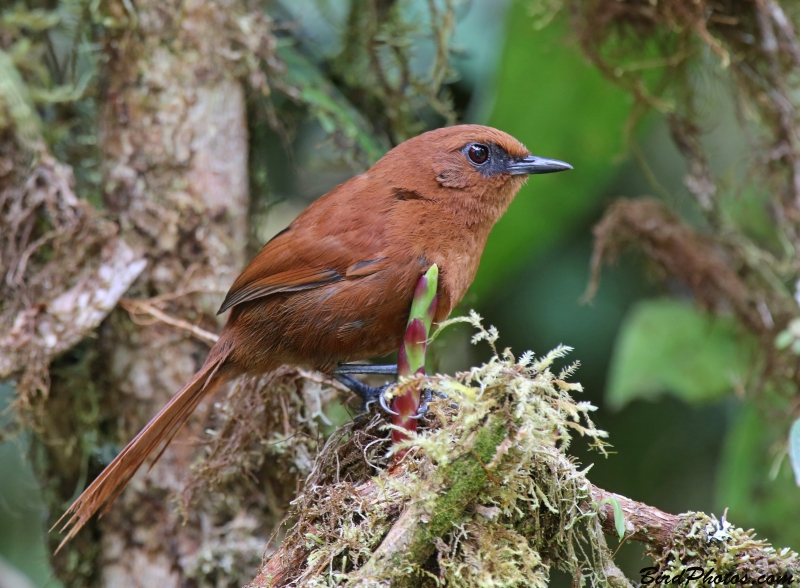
336, 285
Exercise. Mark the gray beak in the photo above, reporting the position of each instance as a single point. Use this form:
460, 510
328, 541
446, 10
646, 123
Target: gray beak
537, 165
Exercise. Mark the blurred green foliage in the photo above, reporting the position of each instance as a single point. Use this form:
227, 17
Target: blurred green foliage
21, 514
755, 480
669, 346
327, 105
667, 388
549, 98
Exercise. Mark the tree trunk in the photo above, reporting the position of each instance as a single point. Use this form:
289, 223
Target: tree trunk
175, 147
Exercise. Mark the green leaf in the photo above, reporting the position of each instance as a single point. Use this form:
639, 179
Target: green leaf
741, 462
794, 449
419, 323
326, 103
668, 346
35, 20
14, 95
784, 339
619, 516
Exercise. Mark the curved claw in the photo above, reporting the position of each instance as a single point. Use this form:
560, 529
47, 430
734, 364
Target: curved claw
368, 394
384, 406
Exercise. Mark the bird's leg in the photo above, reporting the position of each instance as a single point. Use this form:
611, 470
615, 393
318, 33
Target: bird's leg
359, 368
367, 394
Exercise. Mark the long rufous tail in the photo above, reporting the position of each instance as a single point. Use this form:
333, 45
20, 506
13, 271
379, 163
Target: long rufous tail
161, 429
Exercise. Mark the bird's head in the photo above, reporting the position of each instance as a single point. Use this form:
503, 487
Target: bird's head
471, 166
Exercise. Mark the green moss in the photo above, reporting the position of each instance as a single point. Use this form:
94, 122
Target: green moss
468, 475
706, 548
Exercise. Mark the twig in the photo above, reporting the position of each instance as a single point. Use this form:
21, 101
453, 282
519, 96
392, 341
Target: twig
136, 306
643, 523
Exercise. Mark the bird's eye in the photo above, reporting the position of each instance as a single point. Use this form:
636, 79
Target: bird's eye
477, 153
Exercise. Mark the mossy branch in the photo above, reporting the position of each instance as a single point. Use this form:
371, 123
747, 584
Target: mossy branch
411, 540
679, 543
489, 497
643, 523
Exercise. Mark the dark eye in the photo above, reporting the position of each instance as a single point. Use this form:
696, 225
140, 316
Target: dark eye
478, 153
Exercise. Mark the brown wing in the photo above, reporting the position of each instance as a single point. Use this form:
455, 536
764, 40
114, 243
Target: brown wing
331, 241
303, 278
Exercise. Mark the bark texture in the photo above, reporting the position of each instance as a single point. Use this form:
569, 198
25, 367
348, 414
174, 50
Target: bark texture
64, 266
175, 146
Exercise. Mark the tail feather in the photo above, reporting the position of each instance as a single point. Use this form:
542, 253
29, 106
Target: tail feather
179, 419
161, 429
